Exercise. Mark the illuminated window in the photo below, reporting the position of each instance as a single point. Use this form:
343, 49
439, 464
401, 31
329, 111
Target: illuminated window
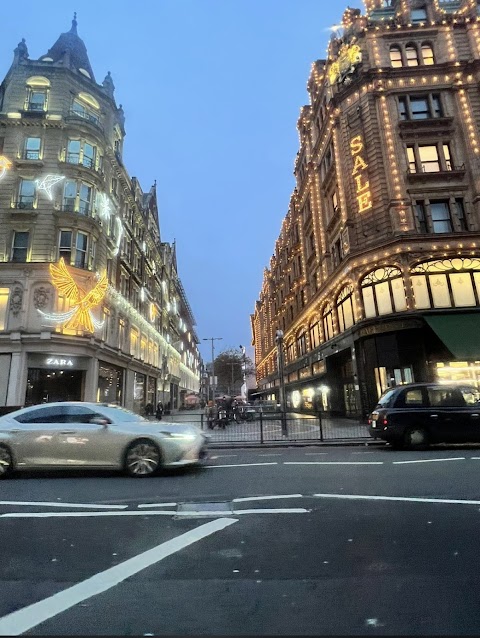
31, 149
315, 334
346, 317
143, 348
4, 294
121, 334
328, 327
134, 342
87, 108
429, 158
383, 292
396, 56
20, 246
427, 54
446, 283
411, 54
302, 343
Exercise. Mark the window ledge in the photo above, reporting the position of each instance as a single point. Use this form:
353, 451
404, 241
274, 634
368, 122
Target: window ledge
29, 162
429, 125
455, 174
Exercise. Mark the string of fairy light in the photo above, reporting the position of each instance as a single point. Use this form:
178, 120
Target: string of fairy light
327, 134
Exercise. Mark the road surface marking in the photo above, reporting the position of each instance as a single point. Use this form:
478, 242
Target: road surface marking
58, 504
475, 458
291, 510
407, 499
25, 619
173, 513
224, 456
146, 505
265, 498
241, 465
316, 453
459, 458
333, 463
274, 454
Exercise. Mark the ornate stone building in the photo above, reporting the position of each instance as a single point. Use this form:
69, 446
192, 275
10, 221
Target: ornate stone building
375, 276
91, 304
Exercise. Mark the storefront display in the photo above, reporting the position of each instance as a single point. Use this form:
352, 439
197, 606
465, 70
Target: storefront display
110, 383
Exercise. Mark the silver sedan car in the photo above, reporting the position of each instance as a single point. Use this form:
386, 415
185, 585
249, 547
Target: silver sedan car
94, 435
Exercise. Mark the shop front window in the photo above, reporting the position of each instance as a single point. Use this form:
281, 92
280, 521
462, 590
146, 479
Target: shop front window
139, 393
447, 283
383, 292
459, 372
110, 384
4, 295
346, 317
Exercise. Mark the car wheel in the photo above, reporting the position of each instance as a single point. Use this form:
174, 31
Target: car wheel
416, 437
142, 459
6, 462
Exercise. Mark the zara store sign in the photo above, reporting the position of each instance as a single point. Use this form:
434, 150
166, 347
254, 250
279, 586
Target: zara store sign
59, 363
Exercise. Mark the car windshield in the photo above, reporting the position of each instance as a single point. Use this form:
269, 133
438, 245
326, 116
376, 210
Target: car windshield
384, 400
121, 414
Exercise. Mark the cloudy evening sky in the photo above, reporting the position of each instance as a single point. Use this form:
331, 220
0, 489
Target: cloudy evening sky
211, 91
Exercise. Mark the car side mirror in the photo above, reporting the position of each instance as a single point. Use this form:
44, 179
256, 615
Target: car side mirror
100, 421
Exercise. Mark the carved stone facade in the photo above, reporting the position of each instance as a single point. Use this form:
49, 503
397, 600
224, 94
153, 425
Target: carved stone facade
66, 197
387, 178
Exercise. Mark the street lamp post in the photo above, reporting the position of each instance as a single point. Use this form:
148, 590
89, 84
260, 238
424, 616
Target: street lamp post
212, 339
281, 374
244, 366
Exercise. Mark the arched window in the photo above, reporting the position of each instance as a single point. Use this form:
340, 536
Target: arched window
427, 54
37, 93
447, 283
290, 351
346, 317
86, 107
314, 331
383, 292
411, 54
302, 343
396, 56
328, 326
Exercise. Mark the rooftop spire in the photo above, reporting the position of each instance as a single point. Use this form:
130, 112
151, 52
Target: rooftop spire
74, 24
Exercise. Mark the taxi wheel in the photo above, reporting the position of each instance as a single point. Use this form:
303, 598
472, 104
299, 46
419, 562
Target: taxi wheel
416, 437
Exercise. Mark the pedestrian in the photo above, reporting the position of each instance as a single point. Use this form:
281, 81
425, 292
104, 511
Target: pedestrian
149, 409
159, 411
211, 414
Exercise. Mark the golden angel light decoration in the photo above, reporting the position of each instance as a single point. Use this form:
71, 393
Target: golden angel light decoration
81, 302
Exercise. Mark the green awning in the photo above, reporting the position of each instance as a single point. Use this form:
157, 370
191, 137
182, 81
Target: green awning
459, 332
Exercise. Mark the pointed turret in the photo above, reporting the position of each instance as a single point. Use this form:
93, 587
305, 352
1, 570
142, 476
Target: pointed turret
71, 51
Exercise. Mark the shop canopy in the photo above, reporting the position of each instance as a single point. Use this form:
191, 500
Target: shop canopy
459, 332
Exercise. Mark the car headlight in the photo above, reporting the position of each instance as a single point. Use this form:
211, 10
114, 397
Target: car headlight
184, 436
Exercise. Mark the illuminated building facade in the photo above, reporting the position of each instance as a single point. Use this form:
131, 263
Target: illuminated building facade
375, 276
91, 304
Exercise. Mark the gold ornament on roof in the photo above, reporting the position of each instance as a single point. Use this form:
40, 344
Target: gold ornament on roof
349, 57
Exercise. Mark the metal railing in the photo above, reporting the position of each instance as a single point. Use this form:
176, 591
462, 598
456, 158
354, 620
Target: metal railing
277, 427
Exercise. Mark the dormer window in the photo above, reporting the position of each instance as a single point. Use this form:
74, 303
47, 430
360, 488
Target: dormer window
411, 55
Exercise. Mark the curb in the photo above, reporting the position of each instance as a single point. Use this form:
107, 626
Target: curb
283, 444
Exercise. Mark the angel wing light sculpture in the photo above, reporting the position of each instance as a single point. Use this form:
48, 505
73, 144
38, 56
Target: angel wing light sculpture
79, 316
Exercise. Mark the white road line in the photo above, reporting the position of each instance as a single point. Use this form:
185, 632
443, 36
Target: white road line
147, 505
25, 619
88, 514
475, 458
333, 463
316, 453
241, 465
224, 456
265, 498
58, 504
406, 499
269, 454
287, 510
459, 458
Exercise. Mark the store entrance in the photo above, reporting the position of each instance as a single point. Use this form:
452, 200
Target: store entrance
45, 386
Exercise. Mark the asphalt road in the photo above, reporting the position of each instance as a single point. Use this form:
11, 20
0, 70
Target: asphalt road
346, 541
